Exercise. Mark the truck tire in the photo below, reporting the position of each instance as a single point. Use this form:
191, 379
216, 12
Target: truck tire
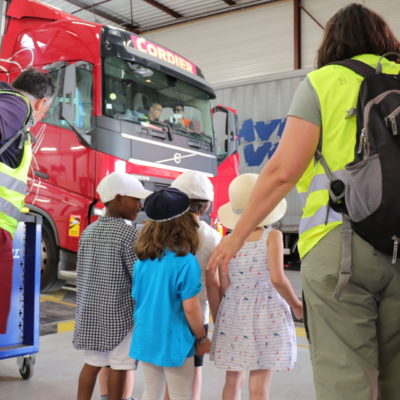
50, 256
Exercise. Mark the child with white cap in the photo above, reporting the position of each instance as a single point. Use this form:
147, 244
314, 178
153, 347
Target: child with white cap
200, 191
254, 329
103, 318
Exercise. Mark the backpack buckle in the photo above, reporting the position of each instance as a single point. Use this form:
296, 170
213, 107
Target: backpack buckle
336, 196
391, 124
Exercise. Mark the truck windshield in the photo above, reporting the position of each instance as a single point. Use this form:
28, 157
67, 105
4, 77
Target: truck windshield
134, 92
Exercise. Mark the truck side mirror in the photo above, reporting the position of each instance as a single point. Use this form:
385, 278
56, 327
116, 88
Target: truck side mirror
231, 131
67, 105
72, 110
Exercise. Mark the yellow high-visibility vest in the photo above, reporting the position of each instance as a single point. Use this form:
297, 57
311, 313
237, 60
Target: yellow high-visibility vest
13, 183
337, 89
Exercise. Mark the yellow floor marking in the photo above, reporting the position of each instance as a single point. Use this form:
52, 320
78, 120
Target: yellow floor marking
60, 294
56, 300
65, 326
300, 331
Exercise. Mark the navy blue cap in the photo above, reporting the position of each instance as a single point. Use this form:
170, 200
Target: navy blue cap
166, 204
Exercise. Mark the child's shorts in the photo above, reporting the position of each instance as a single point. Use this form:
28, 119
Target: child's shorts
198, 360
117, 358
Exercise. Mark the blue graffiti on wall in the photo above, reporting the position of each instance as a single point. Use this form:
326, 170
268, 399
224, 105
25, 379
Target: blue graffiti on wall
257, 149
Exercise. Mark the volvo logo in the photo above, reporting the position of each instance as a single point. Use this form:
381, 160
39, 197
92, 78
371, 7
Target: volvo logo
177, 158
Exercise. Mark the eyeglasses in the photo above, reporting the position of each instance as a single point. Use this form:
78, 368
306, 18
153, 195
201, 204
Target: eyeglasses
178, 109
158, 109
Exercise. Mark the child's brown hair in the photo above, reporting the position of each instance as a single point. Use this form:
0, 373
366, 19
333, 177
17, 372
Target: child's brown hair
179, 235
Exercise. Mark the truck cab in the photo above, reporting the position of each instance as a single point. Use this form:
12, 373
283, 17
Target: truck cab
115, 109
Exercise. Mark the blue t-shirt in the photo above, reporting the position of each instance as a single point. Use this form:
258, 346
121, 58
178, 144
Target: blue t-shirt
161, 333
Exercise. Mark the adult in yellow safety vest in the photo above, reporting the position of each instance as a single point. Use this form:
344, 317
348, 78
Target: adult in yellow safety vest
354, 341
22, 104
155, 111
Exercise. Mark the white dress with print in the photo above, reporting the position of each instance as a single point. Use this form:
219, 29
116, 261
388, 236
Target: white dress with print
254, 327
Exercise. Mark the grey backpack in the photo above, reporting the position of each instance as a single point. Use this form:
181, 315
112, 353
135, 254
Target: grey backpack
368, 193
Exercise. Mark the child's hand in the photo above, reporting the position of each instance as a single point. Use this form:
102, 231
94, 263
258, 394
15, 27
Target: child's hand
298, 310
203, 346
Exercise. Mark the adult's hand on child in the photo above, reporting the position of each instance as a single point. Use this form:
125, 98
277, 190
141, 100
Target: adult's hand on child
203, 346
224, 252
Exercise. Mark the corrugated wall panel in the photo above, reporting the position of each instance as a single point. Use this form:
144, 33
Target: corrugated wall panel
144, 14
262, 108
258, 41
240, 45
322, 10
262, 100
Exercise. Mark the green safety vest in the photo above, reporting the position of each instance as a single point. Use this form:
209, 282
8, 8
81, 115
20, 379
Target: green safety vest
13, 182
337, 89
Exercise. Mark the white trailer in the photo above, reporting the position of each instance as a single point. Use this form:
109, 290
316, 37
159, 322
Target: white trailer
262, 107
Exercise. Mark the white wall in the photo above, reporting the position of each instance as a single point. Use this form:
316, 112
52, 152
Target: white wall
248, 57
322, 10
250, 44
239, 45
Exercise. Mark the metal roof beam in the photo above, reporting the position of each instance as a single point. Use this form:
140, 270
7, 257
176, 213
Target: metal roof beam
90, 6
203, 15
117, 19
166, 9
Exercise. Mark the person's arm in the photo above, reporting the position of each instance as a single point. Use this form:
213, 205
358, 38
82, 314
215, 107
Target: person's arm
194, 316
277, 274
212, 278
223, 282
213, 294
295, 151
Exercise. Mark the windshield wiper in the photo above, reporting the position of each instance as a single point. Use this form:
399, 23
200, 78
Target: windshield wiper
157, 125
193, 134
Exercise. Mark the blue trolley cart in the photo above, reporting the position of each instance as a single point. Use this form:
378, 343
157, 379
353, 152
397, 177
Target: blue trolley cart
22, 337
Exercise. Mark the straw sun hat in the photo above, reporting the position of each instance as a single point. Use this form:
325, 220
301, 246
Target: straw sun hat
239, 194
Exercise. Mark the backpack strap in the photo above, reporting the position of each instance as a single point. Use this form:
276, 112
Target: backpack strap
357, 66
11, 141
24, 131
345, 262
336, 193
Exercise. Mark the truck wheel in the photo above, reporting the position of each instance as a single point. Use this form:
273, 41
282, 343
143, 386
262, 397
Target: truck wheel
50, 257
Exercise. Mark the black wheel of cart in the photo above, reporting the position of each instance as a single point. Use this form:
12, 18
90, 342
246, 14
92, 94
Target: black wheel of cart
25, 365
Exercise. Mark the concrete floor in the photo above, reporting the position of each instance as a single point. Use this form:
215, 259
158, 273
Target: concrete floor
58, 365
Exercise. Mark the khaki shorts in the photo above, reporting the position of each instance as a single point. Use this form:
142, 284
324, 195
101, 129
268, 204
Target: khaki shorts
117, 358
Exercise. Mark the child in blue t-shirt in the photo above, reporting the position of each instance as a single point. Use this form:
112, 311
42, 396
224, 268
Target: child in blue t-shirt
168, 316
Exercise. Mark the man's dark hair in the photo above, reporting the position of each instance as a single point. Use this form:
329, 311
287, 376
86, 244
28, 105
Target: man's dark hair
179, 105
36, 83
355, 30
198, 207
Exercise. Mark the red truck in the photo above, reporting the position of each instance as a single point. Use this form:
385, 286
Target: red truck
107, 80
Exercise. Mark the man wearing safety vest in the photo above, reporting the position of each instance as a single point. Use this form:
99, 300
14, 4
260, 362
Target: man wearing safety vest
21, 106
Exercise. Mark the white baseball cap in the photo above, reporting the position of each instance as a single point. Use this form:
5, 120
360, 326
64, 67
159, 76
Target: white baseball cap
239, 194
195, 185
123, 184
